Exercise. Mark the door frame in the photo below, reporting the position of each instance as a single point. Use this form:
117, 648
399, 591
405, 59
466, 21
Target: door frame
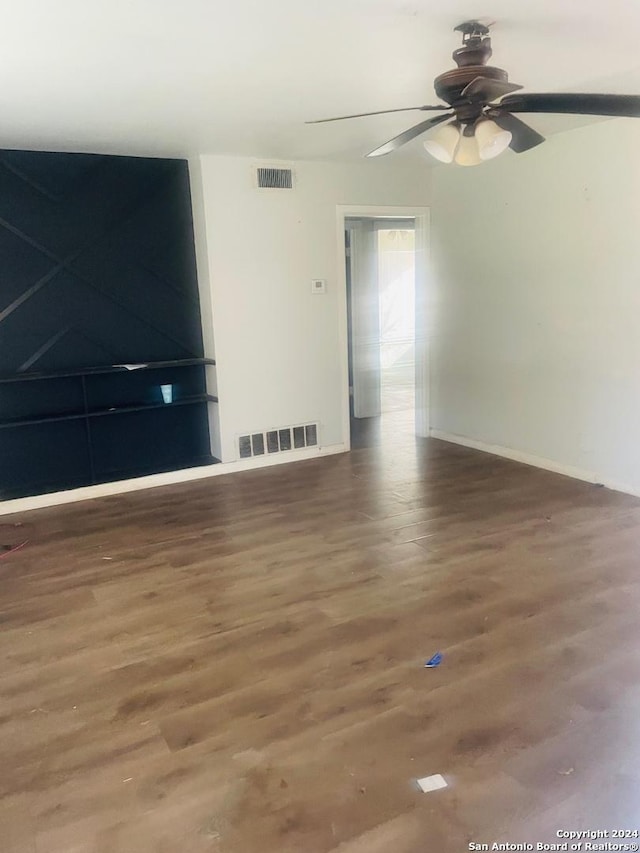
421, 215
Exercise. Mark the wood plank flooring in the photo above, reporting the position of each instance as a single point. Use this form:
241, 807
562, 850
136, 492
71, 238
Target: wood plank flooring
237, 665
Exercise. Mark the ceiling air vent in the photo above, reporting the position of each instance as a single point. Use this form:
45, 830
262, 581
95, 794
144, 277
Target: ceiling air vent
272, 178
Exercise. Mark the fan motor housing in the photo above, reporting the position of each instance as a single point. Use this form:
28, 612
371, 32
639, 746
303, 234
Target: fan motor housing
449, 85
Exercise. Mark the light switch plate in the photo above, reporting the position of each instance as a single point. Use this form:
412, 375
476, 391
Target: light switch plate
318, 285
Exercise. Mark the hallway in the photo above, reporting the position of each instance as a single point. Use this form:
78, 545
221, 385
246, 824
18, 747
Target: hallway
395, 427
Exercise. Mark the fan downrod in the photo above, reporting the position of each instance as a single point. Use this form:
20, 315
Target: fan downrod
471, 60
476, 44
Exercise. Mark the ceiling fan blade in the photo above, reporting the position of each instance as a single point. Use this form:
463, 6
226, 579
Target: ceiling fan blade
379, 113
575, 104
408, 135
523, 137
483, 89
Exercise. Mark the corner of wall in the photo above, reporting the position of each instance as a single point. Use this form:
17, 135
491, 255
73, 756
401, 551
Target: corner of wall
204, 289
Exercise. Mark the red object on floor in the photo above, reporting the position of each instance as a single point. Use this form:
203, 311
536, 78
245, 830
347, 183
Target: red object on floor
11, 550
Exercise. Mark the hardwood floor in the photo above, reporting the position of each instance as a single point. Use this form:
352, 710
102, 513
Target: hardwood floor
237, 665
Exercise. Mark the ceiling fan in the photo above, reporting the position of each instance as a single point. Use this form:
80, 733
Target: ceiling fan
480, 114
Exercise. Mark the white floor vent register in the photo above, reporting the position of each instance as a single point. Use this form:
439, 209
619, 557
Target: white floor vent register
277, 440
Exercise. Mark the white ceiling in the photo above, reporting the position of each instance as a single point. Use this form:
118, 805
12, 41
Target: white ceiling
242, 76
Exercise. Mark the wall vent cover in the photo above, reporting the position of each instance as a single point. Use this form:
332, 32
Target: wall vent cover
277, 440
273, 178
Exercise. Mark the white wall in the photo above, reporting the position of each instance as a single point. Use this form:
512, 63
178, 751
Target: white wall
537, 345
278, 350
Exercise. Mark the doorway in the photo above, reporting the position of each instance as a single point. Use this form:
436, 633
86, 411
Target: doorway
380, 272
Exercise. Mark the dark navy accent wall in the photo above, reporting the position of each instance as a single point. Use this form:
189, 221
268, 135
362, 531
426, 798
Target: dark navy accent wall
97, 261
97, 268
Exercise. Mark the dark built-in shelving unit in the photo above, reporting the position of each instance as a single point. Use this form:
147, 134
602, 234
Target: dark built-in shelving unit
73, 428
98, 267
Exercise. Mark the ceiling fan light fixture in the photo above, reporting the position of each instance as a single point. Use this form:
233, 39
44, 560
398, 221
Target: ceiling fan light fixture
468, 153
442, 145
468, 95
491, 138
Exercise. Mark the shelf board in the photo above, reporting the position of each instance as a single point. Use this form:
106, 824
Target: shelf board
116, 410
111, 368
119, 410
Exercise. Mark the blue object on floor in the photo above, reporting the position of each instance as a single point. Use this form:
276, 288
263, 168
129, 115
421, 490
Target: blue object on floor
436, 660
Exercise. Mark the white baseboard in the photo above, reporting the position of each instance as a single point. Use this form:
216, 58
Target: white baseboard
151, 481
536, 461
